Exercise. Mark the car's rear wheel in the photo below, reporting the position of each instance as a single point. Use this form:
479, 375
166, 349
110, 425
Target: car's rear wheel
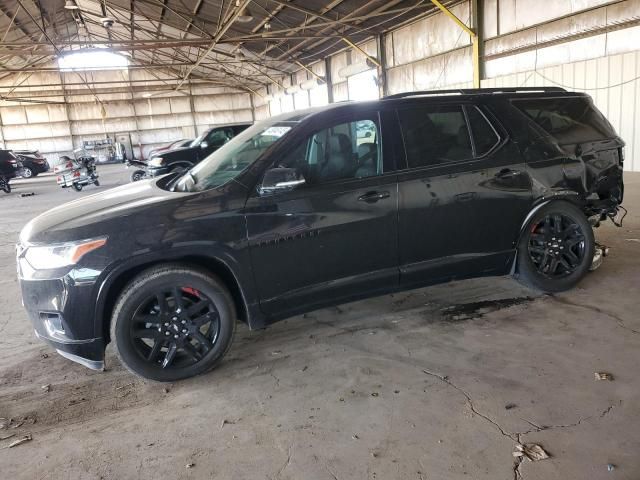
77, 187
556, 249
173, 322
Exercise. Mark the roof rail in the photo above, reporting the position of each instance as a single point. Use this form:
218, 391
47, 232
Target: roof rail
476, 91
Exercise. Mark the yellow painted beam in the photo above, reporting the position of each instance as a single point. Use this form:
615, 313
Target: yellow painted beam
475, 41
353, 45
318, 77
475, 58
450, 14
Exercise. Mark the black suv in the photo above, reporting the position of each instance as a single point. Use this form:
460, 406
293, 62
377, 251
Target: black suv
9, 168
33, 163
186, 157
323, 206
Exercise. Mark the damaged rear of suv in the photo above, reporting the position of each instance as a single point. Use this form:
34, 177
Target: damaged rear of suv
570, 127
566, 129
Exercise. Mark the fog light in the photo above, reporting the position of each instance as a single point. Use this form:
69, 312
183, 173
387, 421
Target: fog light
53, 324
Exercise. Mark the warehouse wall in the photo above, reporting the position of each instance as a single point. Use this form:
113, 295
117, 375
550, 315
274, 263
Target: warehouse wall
56, 129
585, 45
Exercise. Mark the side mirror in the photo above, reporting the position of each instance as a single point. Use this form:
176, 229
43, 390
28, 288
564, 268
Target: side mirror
204, 145
280, 179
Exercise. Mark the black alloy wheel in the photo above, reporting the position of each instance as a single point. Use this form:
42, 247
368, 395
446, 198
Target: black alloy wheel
175, 328
556, 246
172, 322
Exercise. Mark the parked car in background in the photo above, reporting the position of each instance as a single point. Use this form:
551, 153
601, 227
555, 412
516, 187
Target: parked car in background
9, 168
302, 211
201, 147
33, 163
183, 142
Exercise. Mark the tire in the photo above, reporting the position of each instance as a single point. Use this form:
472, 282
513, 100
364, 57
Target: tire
77, 187
137, 175
27, 173
6, 187
556, 248
96, 183
145, 352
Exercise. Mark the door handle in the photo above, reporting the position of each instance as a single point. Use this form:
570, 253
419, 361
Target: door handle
372, 197
507, 173
465, 197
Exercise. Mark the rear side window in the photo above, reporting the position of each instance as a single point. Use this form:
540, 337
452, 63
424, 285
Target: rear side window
569, 119
435, 135
484, 136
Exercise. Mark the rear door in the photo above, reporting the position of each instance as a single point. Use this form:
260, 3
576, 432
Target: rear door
336, 236
463, 194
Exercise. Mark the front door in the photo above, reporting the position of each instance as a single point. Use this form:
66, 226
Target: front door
215, 139
463, 196
334, 237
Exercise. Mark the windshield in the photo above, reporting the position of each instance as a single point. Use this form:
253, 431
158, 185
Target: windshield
199, 139
234, 157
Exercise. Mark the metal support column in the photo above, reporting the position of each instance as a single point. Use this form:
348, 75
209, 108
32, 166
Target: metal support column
193, 111
382, 70
327, 76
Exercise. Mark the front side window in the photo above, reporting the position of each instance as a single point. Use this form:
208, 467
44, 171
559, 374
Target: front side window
435, 135
344, 151
218, 137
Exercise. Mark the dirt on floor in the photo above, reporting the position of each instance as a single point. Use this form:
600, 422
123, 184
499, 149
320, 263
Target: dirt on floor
436, 383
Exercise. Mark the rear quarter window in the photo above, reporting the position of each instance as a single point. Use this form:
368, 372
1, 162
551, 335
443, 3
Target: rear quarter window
568, 119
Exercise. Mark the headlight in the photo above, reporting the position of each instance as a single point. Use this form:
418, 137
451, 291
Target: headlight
62, 254
155, 162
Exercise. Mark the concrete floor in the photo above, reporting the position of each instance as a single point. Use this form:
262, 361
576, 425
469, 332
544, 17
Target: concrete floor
396, 387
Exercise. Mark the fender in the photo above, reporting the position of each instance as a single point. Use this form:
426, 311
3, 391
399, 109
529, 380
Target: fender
180, 163
108, 280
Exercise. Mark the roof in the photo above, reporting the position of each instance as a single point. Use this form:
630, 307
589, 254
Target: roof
200, 39
525, 92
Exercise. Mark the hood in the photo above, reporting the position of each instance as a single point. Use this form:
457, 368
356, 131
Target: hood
110, 211
186, 153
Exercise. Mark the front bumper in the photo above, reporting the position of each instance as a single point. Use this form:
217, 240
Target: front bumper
61, 312
73, 352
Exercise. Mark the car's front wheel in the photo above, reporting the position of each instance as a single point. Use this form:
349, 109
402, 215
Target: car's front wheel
173, 322
556, 249
27, 172
137, 175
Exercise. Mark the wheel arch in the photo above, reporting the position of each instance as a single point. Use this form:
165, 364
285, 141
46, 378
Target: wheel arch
567, 196
180, 164
114, 284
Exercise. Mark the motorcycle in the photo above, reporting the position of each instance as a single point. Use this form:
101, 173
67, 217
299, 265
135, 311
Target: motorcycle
140, 173
4, 185
77, 173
